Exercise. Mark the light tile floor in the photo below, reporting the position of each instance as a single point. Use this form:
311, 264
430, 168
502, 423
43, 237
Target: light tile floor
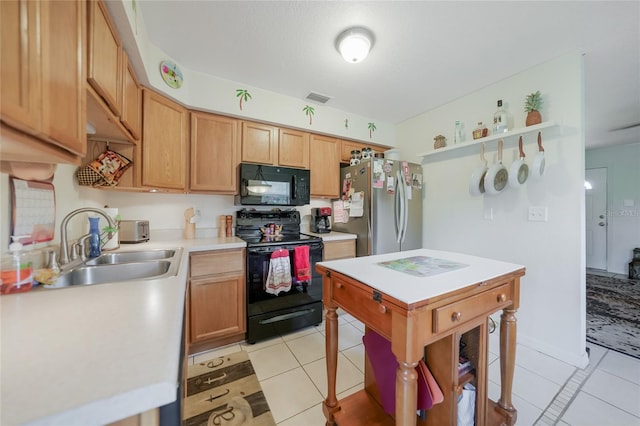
546, 391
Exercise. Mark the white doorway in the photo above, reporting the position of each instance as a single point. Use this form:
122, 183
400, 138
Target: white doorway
596, 220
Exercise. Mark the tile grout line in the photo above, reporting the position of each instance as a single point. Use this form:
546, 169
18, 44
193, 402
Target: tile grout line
563, 399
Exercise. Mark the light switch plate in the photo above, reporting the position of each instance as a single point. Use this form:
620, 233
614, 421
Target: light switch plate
537, 214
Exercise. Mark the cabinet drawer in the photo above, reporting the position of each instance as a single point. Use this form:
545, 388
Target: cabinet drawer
216, 262
454, 314
339, 249
362, 306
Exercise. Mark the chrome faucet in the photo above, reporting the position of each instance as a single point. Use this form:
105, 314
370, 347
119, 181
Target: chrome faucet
64, 245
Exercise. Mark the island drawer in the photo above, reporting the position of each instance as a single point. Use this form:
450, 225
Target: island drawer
454, 314
362, 305
216, 262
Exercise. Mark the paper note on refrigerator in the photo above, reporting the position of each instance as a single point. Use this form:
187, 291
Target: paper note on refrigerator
339, 215
357, 204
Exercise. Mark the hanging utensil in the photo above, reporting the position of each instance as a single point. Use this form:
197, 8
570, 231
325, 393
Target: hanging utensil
476, 185
497, 176
539, 161
519, 171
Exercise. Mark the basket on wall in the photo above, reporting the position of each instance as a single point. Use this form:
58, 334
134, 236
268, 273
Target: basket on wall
106, 170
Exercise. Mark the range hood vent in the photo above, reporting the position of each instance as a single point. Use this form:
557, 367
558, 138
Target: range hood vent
316, 97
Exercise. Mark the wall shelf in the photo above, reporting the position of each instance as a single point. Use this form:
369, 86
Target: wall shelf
506, 137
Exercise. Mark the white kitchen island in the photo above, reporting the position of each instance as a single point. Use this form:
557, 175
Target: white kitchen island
95, 354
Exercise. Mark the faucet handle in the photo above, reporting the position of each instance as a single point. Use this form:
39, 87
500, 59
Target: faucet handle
51, 261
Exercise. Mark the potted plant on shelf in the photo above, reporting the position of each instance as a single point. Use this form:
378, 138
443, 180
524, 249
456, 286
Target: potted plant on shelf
532, 106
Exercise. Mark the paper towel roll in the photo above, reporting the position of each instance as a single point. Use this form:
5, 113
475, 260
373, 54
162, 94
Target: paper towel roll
114, 242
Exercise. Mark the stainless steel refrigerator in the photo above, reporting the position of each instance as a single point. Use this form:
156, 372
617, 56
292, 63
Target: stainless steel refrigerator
382, 204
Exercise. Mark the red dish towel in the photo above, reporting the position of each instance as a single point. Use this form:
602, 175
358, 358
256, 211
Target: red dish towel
301, 264
384, 365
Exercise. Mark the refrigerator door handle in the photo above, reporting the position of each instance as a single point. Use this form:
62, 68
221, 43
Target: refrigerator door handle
405, 209
400, 210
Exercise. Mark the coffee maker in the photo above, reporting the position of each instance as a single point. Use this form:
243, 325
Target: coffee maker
321, 220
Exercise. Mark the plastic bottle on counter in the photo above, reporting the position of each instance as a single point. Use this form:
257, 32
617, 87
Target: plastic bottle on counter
16, 273
94, 239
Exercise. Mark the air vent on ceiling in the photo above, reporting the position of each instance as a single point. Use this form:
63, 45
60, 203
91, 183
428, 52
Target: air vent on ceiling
316, 97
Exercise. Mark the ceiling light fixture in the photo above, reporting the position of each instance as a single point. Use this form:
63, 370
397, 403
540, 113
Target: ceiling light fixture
354, 44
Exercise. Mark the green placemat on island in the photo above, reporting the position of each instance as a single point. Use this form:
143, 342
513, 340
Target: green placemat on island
225, 391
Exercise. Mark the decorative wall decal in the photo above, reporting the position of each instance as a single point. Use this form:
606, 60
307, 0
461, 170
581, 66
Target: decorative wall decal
372, 128
309, 110
244, 95
346, 123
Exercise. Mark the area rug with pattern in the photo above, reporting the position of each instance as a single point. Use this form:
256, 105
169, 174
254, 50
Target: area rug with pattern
613, 314
225, 391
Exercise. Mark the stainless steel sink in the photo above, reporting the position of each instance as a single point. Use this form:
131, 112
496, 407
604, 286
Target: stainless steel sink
131, 256
122, 266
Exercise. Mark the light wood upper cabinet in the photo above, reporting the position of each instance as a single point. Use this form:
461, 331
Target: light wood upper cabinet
259, 143
21, 96
43, 80
293, 148
347, 146
215, 153
165, 143
324, 163
131, 100
105, 57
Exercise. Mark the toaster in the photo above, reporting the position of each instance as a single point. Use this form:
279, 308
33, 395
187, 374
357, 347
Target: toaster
133, 231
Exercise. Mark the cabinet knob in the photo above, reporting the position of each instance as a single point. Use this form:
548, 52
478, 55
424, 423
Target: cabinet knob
339, 285
456, 316
382, 309
502, 298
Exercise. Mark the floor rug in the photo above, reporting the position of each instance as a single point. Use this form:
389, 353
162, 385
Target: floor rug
613, 314
225, 391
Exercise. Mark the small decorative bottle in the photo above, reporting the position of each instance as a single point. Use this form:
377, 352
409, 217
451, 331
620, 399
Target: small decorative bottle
94, 239
480, 131
500, 124
459, 133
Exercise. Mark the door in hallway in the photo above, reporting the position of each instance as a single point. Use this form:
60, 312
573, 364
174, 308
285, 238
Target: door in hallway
596, 220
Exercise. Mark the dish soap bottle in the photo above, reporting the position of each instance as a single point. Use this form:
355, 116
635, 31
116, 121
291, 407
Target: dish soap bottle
500, 124
94, 238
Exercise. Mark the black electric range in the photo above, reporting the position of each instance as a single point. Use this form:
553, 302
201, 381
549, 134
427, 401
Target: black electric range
270, 314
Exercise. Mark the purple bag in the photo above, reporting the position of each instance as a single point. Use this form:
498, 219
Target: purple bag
385, 364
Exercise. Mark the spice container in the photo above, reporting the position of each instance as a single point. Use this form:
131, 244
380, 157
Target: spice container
355, 157
480, 131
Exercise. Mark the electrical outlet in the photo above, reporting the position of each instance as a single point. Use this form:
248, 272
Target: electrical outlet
537, 214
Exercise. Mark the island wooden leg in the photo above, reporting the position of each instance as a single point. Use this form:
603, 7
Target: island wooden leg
507, 365
406, 393
330, 405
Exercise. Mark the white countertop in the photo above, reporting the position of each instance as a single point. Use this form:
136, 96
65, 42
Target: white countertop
412, 289
332, 236
95, 354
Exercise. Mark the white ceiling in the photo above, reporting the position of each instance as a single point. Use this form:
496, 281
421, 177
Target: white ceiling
426, 53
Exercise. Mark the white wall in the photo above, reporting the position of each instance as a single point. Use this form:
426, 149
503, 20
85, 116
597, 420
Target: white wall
552, 312
623, 184
210, 93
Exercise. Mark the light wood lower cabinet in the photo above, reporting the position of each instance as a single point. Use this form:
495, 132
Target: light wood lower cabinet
216, 300
148, 418
340, 249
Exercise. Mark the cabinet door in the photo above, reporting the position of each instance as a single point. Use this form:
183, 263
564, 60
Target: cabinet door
293, 148
131, 99
342, 249
105, 51
217, 306
259, 143
165, 143
64, 75
214, 153
324, 163
346, 147
20, 91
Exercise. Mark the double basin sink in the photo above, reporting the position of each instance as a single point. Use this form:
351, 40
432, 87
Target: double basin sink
123, 266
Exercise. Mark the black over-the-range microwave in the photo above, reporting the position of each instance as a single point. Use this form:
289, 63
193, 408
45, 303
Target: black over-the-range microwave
273, 186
